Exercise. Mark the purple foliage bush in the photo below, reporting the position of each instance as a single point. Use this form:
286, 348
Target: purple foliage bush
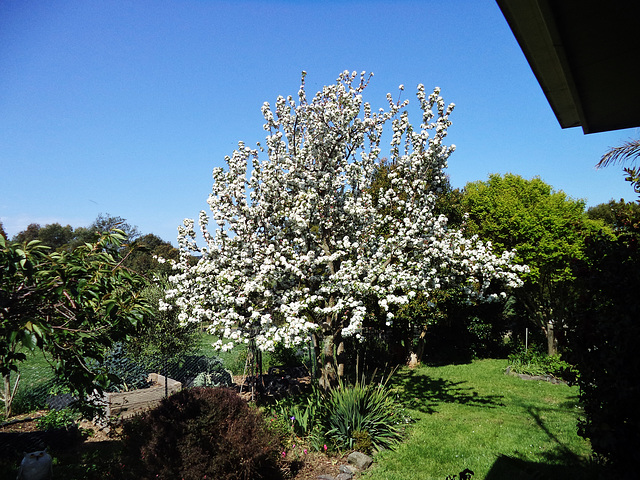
200, 433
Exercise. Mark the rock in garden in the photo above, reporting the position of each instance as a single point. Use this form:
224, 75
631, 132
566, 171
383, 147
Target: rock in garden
325, 477
344, 476
348, 469
360, 460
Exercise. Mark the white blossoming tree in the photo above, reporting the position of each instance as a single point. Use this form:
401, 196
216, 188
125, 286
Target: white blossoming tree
298, 248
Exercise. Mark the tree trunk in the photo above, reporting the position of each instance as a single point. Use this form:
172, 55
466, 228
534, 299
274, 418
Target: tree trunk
415, 358
330, 353
551, 339
9, 393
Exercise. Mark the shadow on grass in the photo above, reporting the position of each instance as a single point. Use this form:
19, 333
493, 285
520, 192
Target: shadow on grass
563, 452
560, 462
572, 402
425, 393
510, 467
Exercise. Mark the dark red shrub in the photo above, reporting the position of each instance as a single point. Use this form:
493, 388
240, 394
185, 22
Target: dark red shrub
200, 433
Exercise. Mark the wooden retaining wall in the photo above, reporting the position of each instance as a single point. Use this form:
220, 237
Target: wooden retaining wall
127, 404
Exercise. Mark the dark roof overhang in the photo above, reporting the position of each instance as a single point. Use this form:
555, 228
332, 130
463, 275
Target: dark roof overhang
585, 55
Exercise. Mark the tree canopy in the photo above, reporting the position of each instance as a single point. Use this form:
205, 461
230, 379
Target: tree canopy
297, 248
545, 227
71, 304
139, 251
52, 235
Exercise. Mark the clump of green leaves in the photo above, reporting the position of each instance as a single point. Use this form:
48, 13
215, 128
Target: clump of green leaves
603, 338
164, 336
126, 373
532, 362
56, 419
73, 305
350, 416
362, 442
214, 374
301, 418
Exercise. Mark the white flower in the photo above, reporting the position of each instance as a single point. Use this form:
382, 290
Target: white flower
297, 237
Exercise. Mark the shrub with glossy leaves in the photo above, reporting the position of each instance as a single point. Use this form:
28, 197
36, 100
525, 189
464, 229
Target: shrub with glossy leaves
200, 433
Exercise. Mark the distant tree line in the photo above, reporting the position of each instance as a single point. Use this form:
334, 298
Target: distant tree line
139, 251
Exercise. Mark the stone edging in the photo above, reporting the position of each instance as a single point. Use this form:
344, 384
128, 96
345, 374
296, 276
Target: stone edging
545, 378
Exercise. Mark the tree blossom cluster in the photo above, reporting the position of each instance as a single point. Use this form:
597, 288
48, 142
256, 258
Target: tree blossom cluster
301, 244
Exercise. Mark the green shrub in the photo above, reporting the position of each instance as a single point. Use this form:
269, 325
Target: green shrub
533, 362
163, 335
131, 374
603, 341
206, 379
362, 442
301, 417
360, 416
280, 426
211, 373
62, 428
55, 419
200, 432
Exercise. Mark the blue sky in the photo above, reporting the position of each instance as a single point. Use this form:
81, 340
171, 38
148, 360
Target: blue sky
125, 107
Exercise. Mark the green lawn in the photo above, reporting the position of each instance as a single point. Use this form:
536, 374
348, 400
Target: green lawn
36, 377
474, 417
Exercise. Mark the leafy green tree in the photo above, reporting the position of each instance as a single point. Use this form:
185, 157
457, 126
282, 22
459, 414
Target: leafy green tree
71, 304
55, 235
102, 224
621, 216
144, 253
139, 251
19, 307
52, 235
106, 222
546, 228
2, 232
164, 336
30, 233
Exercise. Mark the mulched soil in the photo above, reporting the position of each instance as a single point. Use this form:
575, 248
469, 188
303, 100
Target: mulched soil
23, 435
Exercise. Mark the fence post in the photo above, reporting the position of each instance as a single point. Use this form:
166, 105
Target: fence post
166, 378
